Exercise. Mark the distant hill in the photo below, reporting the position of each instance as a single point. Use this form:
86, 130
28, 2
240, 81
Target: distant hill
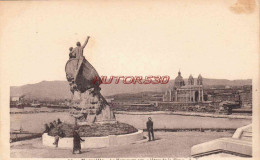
52, 90
43, 90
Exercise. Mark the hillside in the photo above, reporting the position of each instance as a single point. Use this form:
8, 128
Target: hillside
60, 89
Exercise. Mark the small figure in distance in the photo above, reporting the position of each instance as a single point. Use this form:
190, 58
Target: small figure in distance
149, 125
47, 129
59, 122
72, 53
55, 123
60, 134
51, 125
76, 141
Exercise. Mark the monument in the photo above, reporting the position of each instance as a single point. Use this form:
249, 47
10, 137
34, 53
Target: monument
95, 121
84, 80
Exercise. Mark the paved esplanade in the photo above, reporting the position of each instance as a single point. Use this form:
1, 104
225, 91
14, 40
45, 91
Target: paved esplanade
163, 146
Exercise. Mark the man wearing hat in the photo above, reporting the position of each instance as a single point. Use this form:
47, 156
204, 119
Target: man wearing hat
149, 125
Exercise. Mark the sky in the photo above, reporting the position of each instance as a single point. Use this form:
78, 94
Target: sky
131, 39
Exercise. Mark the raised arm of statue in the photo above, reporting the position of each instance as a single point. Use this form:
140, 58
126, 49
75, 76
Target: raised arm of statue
84, 45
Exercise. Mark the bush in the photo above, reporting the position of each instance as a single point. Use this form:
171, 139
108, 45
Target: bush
95, 130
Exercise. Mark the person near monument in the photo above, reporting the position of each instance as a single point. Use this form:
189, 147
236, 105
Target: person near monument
47, 129
59, 121
59, 135
149, 125
54, 123
51, 126
76, 141
79, 49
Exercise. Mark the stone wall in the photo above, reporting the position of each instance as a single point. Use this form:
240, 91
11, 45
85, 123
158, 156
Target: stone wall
223, 97
189, 106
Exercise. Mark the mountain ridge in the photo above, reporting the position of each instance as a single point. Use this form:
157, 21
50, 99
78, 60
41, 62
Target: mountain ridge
59, 89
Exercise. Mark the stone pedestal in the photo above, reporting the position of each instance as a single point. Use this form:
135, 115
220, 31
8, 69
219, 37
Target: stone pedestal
84, 80
92, 107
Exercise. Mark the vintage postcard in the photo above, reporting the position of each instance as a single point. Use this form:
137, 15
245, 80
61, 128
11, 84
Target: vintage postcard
166, 79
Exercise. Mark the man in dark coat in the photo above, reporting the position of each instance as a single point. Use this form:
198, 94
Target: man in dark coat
149, 125
76, 141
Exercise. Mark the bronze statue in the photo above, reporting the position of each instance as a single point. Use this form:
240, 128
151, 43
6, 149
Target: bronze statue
84, 79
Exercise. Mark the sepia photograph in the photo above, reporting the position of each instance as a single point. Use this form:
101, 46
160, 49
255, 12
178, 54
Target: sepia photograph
129, 79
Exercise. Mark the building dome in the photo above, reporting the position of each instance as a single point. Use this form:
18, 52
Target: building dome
179, 81
191, 80
199, 80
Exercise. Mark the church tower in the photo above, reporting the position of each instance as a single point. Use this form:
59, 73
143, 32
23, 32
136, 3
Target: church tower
191, 80
179, 82
200, 80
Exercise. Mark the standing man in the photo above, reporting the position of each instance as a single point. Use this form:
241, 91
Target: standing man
76, 141
79, 49
149, 125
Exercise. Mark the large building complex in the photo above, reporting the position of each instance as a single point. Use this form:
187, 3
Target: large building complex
192, 92
195, 92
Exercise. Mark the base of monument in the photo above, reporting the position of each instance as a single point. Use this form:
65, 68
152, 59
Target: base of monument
95, 142
97, 122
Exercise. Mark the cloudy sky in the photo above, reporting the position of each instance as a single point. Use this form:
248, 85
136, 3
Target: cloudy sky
214, 38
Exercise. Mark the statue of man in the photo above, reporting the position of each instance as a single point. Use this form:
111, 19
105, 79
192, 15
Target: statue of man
72, 54
79, 49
